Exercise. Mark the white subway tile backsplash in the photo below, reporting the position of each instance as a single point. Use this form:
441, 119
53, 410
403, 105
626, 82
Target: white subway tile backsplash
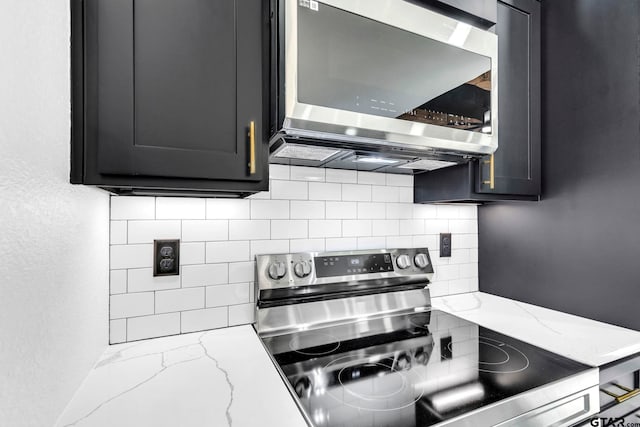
469, 241
153, 326
180, 208
369, 210
225, 295
426, 241
399, 210
405, 194
469, 270
262, 195
204, 275
399, 242
279, 172
254, 229
242, 271
192, 253
342, 244
356, 228
129, 305
228, 209
142, 280
117, 331
179, 300
436, 226
356, 193
306, 245
371, 242
269, 209
241, 314
371, 178
227, 251
459, 256
148, 231
200, 320
259, 247
203, 230
325, 191
325, 228
289, 229
341, 176
463, 226
289, 190
411, 227
468, 211
473, 254
447, 211
385, 227
397, 180
447, 272
133, 207
459, 286
301, 173
307, 209
131, 256
424, 211
385, 194
341, 210
118, 282
118, 233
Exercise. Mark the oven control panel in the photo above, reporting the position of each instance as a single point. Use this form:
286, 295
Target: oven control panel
306, 268
346, 265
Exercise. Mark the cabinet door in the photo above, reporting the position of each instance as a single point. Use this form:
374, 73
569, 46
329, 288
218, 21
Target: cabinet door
517, 160
178, 84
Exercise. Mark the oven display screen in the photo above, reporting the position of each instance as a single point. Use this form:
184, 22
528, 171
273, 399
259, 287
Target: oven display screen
347, 265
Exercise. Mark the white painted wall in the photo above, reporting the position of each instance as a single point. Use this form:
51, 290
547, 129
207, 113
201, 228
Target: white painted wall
53, 236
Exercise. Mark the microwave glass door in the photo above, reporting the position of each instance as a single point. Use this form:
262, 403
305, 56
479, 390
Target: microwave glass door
353, 63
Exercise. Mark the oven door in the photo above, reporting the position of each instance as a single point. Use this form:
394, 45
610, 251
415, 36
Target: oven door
388, 71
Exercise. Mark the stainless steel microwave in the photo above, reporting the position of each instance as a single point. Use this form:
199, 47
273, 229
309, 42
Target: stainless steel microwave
360, 81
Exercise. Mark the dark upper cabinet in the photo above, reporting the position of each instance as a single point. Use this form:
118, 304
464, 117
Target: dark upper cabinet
168, 96
517, 162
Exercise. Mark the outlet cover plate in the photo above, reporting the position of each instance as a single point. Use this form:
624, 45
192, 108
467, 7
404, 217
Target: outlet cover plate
166, 258
445, 245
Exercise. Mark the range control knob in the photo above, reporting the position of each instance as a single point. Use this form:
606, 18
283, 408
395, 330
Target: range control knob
421, 260
403, 261
302, 268
277, 270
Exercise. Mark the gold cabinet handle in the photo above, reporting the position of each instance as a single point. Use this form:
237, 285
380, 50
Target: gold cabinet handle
621, 398
252, 147
492, 173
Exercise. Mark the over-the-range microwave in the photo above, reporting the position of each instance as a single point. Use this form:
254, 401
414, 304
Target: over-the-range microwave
382, 85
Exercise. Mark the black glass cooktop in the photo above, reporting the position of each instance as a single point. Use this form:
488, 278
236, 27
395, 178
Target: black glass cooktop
409, 370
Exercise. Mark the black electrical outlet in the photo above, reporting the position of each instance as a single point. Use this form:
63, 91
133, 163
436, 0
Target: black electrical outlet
446, 348
166, 257
445, 245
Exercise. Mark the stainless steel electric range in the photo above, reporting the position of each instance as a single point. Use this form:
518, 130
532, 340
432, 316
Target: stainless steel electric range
356, 341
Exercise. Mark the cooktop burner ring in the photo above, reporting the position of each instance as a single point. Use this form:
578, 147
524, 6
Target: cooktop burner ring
524, 360
354, 405
333, 344
403, 384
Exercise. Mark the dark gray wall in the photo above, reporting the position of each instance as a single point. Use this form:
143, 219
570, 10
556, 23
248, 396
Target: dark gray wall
578, 250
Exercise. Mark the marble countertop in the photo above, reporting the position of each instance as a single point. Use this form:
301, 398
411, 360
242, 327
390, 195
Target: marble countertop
587, 341
215, 378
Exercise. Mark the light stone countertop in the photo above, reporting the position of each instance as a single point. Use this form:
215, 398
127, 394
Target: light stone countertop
216, 378
584, 340
225, 377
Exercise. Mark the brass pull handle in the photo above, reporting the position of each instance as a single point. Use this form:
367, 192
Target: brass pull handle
252, 147
492, 173
621, 398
